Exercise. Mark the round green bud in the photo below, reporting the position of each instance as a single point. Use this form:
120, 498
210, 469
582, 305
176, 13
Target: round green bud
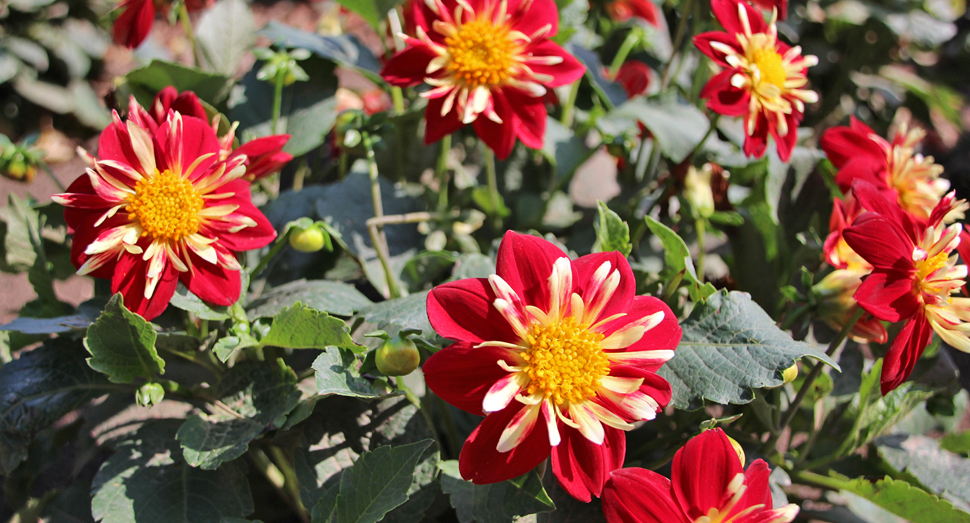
308, 240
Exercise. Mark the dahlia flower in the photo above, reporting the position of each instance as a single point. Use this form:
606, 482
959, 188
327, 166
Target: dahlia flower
137, 17
707, 483
893, 167
559, 356
762, 78
624, 10
914, 277
158, 207
634, 76
489, 63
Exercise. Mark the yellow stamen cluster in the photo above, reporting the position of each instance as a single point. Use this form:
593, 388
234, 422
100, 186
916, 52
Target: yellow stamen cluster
565, 361
926, 267
770, 65
481, 53
166, 205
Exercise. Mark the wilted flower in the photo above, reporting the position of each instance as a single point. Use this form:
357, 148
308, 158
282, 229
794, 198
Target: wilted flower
763, 79
487, 65
707, 484
559, 356
902, 175
159, 207
914, 277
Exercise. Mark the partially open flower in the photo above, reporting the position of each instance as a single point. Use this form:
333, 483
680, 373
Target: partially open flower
160, 207
559, 356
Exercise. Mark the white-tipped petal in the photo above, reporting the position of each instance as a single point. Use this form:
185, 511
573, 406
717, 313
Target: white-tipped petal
519, 428
501, 393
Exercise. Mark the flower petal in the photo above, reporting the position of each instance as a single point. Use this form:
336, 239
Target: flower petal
702, 471
464, 310
481, 463
462, 375
635, 495
904, 352
408, 67
213, 283
888, 295
590, 284
525, 263
582, 467
130, 278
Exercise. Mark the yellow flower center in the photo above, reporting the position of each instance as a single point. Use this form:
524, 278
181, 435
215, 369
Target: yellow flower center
926, 267
166, 205
481, 53
565, 361
770, 64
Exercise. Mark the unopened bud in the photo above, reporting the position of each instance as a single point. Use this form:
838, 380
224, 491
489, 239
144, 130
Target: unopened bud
790, 374
308, 240
397, 357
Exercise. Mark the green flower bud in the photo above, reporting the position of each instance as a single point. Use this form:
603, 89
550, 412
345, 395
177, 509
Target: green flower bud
310, 239
790, 374
397, 357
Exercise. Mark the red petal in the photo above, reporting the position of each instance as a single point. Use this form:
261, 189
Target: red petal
186, 103
756, 143
904, 352
888, 295
724, 98
786, 143
726, 12
530, 115
480, 463
757, 492
581, 466
462, 310
135, 23
880, 242
622, 299
525, 263
702, 471
538, 14
461, 375
197, 138
84, 233
499, 137
634, 76
635, 495
842, 144
437, 126
129, 280
408, 67
563, 73
115, 144
248, 238
780, 5
703, 42
215, 284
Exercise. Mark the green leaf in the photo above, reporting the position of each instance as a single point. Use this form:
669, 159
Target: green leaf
410, 312
345, 50
935, 468
377, 483
336, 373
39, 388
677, 127
18, 249
473, 265
260, 395
956, 442
144, 82
122, 344
730, 346
48, 325
185, 300
678, 263
612, 233
563, 148
607, 89
907, 501
146, 481
300, 327
373, 11
323, 295
495, 503
224, 33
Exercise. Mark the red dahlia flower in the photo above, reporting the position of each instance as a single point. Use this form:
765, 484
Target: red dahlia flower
634, 76
623, 10
762, 77
262, 156
707, 483
892, 167
559, 355
914, 277
137, 17
160, 207
777, 5
489, 63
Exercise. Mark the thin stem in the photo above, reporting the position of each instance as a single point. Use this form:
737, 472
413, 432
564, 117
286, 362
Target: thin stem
810, 380
441, 173
678, 38
819, 480
568, 108
397, 97
710, 131
186, 23
411, 217
277, 99
273, 251
377, 231
50, 173
493, 195
631, 40
700, 224
291, 483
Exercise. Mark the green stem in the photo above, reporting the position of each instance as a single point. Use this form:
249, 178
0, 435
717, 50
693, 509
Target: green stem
291, 484
397, 97
810, 380
273, 251
631, 40
186, 23
277, 99
819, 480
493, 196
710, 130
441, 173
377, 232
700, 224
567, 109
678, 38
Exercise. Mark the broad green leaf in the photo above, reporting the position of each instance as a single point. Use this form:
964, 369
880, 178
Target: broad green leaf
345, 50
373, 11
907, 501
226, 347
563, 148
185, 300
323, 295
607, 89
956, 442
677, 127
39, 388
473, 265
23, 244
677, 261
377, 483
122, 344
343, 428
146, 481
144, 82
921, 457
336, 374
729, 347
427, 267
225, 32
495, 503
260, 394
300, 327
410, 312
612, 233
48, 325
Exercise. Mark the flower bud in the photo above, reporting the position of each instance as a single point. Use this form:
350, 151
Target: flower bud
398, 357
737, 448
697, 190
307, 240
790, 374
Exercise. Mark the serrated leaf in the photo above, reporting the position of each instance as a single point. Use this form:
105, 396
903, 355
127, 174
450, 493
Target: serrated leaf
907, 501
224, 33
677, 127
146, 481
378, 482
497, 502
677, 261
24, 246
39, 388
371, 10
122, 344
300, 327
410, 312
729, 347
185, 300
259, 393
336, 374
921, 457
323, 295
144, 82
612, 233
